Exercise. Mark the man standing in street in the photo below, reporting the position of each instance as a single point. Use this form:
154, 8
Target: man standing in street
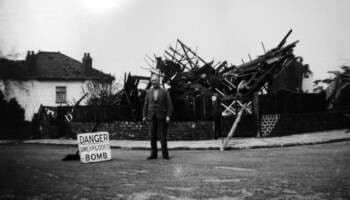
157, 111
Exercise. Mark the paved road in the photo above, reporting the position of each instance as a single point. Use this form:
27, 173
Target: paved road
304, 172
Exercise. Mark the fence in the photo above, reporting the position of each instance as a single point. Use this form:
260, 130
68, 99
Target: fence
279, 115
198, 108
285, 102
295, 123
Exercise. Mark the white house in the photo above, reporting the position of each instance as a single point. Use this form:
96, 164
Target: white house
47, 78
308, 82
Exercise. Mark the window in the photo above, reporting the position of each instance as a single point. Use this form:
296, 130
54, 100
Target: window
61, 94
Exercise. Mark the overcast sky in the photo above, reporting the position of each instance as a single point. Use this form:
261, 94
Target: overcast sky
119, 33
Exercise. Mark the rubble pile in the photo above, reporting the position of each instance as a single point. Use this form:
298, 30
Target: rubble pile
189, 74
189, 77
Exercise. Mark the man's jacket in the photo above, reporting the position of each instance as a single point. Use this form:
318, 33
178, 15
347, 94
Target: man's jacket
161, 108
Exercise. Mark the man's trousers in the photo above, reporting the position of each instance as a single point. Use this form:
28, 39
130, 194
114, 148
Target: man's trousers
158, 128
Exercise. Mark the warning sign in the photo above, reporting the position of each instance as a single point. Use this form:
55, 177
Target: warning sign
94, 147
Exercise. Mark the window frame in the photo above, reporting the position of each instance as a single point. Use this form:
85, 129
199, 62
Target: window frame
61, 95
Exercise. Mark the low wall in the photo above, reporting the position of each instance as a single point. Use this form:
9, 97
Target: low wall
121, 130
270, 125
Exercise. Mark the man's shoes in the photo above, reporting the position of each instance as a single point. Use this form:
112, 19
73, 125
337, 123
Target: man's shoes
166, 157
151, 157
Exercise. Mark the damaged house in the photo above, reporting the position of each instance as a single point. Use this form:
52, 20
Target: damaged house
266, 96
274, 90
195, 84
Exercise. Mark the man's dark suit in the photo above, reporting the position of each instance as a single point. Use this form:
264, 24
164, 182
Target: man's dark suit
155, 111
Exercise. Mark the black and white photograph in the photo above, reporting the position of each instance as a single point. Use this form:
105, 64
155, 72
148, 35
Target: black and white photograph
174, 99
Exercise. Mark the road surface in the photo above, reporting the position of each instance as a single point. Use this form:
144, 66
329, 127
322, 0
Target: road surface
303, 172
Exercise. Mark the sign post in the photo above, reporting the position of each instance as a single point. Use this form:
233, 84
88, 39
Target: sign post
94, 147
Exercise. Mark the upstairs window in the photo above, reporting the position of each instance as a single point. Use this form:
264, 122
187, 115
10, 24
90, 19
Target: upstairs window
61, 94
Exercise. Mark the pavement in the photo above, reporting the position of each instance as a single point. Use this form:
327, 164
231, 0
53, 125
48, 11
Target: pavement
234, 143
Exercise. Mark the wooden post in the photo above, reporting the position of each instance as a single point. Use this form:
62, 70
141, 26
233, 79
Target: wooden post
188, 57
178, 61
190, 50
233, 128
194, 108
263, 47
256, 110
250, 58
204, 107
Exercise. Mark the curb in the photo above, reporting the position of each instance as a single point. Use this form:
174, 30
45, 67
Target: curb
289, 145
194, 148
10, 142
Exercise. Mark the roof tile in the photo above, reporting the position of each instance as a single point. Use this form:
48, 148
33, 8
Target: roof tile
49, 66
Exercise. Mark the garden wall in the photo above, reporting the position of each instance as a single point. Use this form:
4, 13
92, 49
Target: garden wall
123, 130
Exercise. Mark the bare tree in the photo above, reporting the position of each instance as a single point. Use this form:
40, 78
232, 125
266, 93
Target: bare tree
101, 93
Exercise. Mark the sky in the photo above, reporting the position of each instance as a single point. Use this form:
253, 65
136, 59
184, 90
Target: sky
120, 33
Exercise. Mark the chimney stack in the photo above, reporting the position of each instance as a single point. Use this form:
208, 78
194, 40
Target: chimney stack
30, 59
30, 55
87, 62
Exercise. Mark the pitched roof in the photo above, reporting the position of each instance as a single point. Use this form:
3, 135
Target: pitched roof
49, 66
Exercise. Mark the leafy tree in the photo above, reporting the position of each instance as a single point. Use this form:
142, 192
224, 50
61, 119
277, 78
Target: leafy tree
11, 117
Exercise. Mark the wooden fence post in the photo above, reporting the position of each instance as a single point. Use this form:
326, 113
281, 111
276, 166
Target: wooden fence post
234, 126
256, 111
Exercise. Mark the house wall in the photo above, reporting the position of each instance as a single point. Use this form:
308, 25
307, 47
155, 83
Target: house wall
307, 83
31, 94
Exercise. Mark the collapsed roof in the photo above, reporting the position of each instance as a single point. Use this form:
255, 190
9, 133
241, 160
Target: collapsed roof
190, 76
187, 72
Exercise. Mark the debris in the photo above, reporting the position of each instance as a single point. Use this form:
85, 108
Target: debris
194, 82
188, 73
234, 126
